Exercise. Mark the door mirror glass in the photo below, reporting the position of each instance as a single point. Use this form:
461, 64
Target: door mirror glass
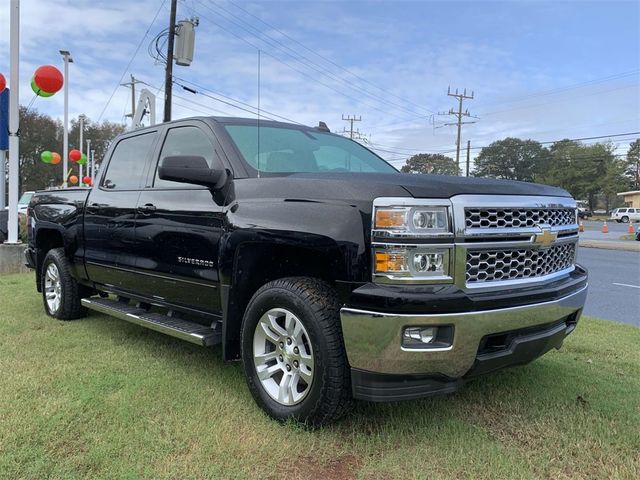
192, 169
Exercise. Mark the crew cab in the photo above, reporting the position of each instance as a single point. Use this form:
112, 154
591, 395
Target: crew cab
303, 254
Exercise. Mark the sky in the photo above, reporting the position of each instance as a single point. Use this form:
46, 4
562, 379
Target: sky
544, 70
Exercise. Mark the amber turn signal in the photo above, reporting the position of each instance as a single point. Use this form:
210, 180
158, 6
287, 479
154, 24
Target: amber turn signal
390, 218
390, 262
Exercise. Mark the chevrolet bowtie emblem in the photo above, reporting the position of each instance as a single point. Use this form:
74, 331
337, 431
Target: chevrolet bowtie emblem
546, 238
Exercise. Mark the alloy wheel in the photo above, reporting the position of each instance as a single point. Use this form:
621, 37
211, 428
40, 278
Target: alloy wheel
283, 356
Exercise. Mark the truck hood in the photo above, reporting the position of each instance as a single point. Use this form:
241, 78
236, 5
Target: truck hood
436, 186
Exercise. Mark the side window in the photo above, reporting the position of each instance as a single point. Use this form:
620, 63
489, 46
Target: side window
622, 210
184, 141
126, 167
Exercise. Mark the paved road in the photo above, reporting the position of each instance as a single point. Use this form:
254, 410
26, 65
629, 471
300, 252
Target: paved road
614, 284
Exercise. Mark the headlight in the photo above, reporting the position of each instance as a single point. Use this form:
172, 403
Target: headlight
412, 240
412, 264
411, 221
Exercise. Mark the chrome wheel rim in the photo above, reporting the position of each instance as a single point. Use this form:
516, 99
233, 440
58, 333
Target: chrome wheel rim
52, 288
283, 356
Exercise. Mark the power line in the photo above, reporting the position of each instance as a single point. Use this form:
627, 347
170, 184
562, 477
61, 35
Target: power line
537, 105
554, 91
326, 59
132, 58
548, 142
319, 70
178, 81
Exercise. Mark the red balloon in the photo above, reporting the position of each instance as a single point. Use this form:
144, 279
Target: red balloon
75, 155
55, 158
48, 79
3, 83
73, 179
86, 180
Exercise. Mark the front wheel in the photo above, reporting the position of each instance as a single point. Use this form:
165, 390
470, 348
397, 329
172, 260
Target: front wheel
293, 353
625, 219
61, 294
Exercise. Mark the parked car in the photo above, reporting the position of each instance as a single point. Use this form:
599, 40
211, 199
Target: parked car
583, 210
23, 203
626, 215
331, 275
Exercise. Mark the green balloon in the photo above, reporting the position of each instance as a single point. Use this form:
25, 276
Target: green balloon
46, 156
83, 160
37, 90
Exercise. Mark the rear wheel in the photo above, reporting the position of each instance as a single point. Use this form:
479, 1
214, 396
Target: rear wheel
293, 353
61, 294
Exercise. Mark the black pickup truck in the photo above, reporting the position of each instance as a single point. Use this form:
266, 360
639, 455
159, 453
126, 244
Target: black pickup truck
308, 257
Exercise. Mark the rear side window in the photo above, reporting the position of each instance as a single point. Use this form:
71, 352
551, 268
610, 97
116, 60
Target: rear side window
185, 141
126, 167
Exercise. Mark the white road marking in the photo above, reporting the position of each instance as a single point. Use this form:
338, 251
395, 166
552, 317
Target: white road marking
627, 285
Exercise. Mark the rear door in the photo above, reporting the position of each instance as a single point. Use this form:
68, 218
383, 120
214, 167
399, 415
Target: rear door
109, 220
178, 227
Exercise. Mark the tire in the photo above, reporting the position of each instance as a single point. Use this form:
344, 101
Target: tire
625, 219
322, 392
65, 305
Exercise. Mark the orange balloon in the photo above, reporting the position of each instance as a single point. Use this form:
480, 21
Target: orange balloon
55, 158
73, 179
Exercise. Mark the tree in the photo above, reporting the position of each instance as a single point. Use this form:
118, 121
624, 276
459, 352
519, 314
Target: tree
435, 164
586, 170
511, 159
39, 132
632, 167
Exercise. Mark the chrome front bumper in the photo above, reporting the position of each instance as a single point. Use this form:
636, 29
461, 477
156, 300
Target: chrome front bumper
373, 339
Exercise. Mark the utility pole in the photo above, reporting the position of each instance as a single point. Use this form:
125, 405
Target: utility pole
468, 155
168, 73
351, 119
459, 114
132, 83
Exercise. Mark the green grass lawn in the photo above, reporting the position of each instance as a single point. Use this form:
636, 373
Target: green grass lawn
100, 398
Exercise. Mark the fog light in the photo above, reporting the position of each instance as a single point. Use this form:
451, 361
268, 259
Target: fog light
421, 334
438, 337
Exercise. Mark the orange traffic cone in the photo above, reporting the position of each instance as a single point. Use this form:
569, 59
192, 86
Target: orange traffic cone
605, 227
630, 229
581, 227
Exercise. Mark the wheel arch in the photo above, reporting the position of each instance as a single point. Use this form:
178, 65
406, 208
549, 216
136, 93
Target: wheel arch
256, 263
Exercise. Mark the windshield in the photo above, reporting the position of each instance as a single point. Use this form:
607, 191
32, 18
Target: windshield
290, 150
24, 199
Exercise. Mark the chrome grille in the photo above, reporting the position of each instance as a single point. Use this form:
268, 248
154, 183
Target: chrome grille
518, 217
514, 264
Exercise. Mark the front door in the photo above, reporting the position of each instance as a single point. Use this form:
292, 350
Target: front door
109, 220
178, 228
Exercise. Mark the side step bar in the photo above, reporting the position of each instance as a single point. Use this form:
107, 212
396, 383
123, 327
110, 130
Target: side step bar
183, 329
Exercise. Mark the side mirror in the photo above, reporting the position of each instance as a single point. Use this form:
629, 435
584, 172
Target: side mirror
191, 169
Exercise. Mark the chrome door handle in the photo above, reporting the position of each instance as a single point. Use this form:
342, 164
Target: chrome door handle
147, 208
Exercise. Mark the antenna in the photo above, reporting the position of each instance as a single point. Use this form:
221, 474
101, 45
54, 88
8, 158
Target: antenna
259, 113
